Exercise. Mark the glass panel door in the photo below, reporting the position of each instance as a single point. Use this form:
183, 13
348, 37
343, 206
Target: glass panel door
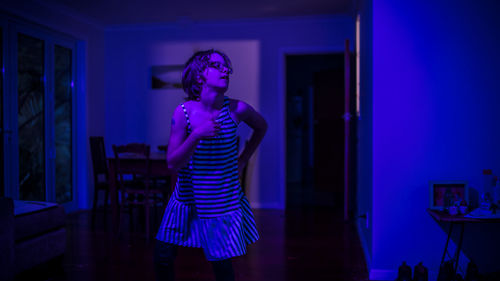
37, 106
63, 89
31, 117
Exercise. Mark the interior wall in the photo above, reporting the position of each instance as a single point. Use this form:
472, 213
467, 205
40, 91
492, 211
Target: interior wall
255, 44
435, 117
90, 95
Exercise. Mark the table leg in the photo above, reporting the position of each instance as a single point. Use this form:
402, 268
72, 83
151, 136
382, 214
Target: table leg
113, 193
459, 246
447, 241
456, 256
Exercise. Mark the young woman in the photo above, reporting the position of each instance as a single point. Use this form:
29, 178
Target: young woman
208, 208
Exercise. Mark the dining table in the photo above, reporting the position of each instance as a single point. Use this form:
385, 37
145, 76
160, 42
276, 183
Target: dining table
131, 163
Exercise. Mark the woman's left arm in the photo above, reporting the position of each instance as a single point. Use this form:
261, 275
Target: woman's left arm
254, 120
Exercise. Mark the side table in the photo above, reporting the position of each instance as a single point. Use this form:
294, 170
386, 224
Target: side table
460, 220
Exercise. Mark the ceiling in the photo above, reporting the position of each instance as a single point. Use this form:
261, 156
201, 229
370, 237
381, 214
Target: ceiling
123, 12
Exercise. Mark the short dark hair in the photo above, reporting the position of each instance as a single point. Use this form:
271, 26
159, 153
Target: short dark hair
195, 65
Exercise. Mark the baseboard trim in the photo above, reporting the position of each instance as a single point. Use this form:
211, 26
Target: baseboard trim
364, 244
259, 205
381, 274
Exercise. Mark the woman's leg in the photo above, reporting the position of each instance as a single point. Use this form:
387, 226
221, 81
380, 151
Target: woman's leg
164, 257
223, 270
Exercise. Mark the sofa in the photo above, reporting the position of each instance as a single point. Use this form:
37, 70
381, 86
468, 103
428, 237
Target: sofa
31, 234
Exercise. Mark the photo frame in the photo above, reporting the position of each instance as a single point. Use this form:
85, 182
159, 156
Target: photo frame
164, 77
445, 193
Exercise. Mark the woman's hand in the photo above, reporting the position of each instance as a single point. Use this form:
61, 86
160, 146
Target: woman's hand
207, 129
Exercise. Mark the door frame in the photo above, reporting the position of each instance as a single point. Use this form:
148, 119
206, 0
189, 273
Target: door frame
282, 53
6, 131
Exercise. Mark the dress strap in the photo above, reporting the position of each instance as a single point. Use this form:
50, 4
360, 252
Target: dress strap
187, 117
226, 104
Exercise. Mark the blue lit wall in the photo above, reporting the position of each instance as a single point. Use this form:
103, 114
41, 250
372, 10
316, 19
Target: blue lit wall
436, 101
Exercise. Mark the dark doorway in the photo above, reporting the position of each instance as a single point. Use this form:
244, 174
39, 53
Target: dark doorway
2, 184
315, 130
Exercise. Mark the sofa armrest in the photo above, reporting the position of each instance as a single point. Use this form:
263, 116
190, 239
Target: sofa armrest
6, 238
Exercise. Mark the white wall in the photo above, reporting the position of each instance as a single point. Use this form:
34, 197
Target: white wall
135, 113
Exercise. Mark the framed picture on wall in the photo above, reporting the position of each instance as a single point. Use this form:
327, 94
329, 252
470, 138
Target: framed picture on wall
447, 193
166, 77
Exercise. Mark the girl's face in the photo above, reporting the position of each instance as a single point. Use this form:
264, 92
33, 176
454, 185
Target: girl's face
217, 73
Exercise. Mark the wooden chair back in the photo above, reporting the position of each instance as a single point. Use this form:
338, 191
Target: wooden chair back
99, 161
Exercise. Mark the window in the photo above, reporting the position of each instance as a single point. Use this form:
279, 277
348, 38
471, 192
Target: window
39, 102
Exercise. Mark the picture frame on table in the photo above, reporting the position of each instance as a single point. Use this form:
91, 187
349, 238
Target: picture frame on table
445, 193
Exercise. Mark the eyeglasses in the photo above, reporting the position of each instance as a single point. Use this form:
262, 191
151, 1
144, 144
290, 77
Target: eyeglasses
220, 66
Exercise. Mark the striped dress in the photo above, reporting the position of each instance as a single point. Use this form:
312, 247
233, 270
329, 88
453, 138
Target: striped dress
208, 208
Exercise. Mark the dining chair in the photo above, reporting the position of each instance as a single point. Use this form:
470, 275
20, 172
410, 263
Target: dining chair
100, 169
162, 148
168, 181
141, 190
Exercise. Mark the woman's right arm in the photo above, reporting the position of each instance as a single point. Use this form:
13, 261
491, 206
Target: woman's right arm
181, 146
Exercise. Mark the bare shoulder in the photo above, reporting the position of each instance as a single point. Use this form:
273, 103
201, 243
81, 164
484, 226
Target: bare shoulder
178, 110
239, 106
242, 111
190, 104
178, 118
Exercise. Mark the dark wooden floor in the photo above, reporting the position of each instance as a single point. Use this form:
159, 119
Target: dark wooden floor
299, 244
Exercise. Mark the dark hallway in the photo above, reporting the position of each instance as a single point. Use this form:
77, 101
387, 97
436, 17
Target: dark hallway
315, 130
